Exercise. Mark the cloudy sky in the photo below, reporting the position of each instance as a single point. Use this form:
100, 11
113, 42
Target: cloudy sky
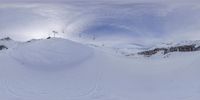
140, 20
118, 1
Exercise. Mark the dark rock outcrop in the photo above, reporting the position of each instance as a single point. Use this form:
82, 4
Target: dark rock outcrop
49, 37
2, 47
154, 51
6, 39
182, 48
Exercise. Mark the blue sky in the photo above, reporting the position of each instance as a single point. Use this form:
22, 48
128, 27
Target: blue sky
149, 19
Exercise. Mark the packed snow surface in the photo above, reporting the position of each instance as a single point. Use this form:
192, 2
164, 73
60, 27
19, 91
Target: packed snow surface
59, 69
44, 54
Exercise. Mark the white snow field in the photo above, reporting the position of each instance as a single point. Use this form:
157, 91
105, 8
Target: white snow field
59, 69
94, 56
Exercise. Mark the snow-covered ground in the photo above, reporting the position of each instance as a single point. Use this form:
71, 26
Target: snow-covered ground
94, 56
59, 69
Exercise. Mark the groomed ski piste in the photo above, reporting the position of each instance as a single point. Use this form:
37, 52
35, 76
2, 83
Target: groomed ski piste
60, 69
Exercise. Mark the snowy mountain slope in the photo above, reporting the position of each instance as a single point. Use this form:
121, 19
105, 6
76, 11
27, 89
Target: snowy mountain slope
166, 48
174, 44
135, 50
51, 51
101, 63
9, 43
58, 69
42, 70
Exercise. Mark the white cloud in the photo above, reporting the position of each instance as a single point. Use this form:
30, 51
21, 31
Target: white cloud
157, 20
